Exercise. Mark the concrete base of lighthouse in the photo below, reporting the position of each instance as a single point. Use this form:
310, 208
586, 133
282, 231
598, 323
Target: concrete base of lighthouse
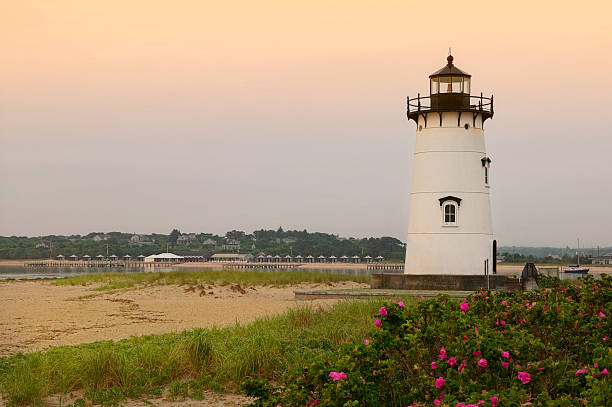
449, 254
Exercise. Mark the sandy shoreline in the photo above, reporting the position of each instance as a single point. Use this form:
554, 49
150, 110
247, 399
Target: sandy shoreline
36, 314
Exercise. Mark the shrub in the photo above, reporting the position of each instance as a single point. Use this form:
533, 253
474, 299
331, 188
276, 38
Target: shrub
548, 347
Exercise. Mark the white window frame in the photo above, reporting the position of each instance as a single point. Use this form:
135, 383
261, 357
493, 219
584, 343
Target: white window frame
443, 210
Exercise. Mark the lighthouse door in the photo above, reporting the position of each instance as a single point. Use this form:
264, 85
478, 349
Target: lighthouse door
494, 257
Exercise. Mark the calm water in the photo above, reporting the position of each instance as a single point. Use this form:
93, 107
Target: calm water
28, 273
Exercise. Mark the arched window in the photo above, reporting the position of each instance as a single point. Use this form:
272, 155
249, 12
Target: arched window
450, 213
450, 210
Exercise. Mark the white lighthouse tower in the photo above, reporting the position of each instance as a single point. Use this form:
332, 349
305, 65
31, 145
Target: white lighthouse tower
449, 225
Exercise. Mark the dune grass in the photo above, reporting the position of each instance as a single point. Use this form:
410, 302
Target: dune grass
187, 363
110, 281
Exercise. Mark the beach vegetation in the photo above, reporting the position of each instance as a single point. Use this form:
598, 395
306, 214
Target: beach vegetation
185, 364
113, 280
547, 348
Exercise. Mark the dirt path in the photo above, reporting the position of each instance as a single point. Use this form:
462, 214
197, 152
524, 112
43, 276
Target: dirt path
36, 314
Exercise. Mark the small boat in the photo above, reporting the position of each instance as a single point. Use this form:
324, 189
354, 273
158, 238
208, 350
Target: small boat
577, 269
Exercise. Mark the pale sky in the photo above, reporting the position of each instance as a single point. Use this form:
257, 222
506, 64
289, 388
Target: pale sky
141, 116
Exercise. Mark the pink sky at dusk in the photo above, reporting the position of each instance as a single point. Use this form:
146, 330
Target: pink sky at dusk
108, 99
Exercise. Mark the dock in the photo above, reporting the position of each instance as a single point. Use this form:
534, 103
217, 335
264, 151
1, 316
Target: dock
98, 264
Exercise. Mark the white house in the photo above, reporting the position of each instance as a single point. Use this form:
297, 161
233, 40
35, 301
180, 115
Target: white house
164, 258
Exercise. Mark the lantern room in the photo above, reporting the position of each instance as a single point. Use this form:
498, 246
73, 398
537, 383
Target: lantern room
449, 87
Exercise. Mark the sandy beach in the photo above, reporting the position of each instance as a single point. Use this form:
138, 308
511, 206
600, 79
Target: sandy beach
37, 314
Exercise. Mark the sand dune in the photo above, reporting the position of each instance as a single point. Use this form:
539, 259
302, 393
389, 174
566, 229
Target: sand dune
36, 314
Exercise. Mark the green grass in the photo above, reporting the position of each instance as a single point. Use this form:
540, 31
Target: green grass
187, 363
111, 281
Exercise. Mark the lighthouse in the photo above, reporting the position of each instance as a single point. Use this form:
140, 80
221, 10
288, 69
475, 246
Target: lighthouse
449, 223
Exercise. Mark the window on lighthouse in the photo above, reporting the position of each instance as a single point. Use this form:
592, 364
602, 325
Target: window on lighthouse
450, 213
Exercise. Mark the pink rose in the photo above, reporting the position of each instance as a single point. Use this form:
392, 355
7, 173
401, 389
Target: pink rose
337, 375
601, 315
482, 363
436, 402
401, 303
377, 323
494, 400
604, 372
367, 342
433, 365
505, 365
452, 361
505, 355
383, 311
439, 382
464, 306
524, 377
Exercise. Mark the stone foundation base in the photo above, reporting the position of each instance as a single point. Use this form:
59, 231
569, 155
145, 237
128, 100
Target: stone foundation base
441, 282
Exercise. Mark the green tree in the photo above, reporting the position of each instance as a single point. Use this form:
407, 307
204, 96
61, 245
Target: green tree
174, 235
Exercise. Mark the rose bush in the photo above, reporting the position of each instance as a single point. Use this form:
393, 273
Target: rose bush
548, 347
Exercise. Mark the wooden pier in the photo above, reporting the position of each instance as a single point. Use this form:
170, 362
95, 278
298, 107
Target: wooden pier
99, 264
385, 266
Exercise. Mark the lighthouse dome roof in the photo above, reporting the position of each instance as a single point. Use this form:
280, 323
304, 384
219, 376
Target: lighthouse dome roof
449, 69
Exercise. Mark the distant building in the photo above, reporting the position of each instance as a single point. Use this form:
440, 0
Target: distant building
231, 244
87, 257
164, 258
604, 259
99, 238
231, 257
209, 242
41, 245
113, 257
137, 239
192, 256
60, 257
74, 257
186, 238
287, 240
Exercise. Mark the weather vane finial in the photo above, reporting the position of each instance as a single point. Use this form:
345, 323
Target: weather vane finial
449, 51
